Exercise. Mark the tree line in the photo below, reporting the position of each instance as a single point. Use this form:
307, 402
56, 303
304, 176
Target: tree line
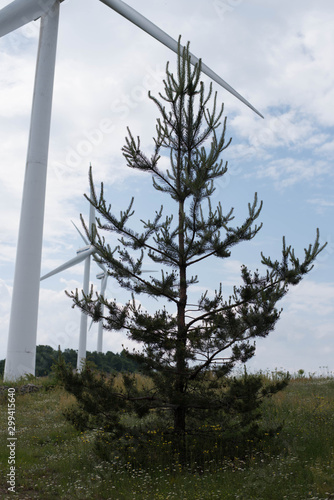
109, 362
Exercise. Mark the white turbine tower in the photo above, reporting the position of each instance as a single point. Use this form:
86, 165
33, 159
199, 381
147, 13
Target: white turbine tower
21, 350
104, 279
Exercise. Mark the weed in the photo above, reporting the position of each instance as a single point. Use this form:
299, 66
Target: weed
53, 460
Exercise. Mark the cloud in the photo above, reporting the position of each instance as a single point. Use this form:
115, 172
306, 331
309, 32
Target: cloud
321, 204
310, 297
286, 172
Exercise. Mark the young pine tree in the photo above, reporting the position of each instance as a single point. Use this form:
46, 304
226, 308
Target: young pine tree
187, 351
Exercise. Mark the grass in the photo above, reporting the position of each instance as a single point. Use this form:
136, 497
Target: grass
53, 460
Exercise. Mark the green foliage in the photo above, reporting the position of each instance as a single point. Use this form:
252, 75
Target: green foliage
120, 411
107, 362
100, 401
56, 461
45, 356
187, 350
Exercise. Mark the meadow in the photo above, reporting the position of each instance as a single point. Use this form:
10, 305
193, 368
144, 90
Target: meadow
53, 460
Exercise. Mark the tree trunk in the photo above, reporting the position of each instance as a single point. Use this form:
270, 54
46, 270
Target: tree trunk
179, 413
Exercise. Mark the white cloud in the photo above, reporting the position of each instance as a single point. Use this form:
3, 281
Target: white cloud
321, 204
313, 298
286, 172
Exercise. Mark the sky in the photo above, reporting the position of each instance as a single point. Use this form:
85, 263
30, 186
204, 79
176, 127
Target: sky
279, 55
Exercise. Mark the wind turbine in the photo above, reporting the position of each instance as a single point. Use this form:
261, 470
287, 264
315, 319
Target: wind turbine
21, 349
83, 254
104, 279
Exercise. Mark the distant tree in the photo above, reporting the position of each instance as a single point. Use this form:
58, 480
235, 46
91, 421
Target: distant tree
189, 351
70, 357
46, 357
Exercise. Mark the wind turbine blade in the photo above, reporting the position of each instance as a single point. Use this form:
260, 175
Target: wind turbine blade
104, 269
21, 12
101, 266
142, 22
84, 249
225, 85
87, 243
76, 260
81, 234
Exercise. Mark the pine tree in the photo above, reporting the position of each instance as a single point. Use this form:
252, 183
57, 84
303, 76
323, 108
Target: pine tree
188, 355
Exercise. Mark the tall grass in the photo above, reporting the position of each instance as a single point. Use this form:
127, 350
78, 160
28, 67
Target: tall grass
56, 461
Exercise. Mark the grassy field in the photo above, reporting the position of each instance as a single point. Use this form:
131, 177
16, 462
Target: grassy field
53, 460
